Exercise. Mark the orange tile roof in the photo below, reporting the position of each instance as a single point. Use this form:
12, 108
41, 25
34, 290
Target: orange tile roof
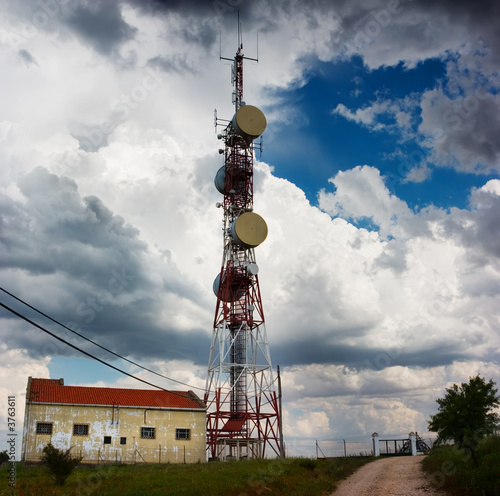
53, 391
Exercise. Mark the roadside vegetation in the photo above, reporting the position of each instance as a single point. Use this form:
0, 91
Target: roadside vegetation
291, 476
59, 463
452, 469
466, 414
465, 459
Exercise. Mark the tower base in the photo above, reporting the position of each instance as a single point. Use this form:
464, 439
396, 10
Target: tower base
238, 449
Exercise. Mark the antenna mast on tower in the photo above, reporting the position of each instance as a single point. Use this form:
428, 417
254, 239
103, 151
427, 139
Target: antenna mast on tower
243, 417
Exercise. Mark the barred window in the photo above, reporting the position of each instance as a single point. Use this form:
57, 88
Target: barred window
147, 432
80, 430
43, 428
183, 434
107, 439
123, 440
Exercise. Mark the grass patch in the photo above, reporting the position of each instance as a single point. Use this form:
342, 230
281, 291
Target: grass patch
292, 476
453, 470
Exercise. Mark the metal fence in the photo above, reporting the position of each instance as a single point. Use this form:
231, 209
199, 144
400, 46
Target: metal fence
344, 447
364, 447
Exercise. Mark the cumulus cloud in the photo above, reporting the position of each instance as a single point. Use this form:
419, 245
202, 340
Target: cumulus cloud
101, 25
351, 404
97, 264
365, 116
462, 130
393, 116
361, 193
16, 367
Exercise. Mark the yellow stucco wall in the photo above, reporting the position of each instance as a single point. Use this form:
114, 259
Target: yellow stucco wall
116, 422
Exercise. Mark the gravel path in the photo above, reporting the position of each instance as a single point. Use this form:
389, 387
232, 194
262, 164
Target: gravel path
398, 476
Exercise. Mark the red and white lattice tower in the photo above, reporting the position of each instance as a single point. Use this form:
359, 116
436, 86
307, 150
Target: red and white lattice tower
243, 417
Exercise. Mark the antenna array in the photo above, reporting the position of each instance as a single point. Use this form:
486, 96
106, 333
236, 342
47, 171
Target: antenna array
243, 417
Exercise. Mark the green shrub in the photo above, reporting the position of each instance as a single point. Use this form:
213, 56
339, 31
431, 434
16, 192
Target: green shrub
4, 457
466, 414
308, 463
452, 469
59, 463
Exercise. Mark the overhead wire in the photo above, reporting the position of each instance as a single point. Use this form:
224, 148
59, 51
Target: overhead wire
85, 352
97, 344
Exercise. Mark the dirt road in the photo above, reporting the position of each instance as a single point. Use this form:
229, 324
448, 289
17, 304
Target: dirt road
398, 476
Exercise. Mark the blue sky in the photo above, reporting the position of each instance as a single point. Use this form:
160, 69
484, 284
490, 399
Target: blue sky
319, 143
378, 181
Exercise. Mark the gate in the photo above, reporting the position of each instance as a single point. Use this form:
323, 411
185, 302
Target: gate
395, 447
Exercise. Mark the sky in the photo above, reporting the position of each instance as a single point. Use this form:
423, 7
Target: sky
378, 179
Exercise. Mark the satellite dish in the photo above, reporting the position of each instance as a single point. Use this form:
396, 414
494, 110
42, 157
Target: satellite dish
239, 182
249, 122
219, 180
249, 230
233, 290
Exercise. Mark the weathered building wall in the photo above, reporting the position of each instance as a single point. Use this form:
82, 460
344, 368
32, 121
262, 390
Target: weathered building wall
114, 433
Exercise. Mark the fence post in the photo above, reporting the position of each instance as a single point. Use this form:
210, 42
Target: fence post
413, 442
376, 446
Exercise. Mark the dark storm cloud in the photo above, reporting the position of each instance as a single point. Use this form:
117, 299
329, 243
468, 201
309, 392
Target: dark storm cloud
463, 11
92, 274
122, 329
197, 8
67, 228
101, 25
200, 33
369, 357
484, 11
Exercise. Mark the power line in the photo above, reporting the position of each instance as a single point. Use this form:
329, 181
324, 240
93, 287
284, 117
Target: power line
88, 354
97, 344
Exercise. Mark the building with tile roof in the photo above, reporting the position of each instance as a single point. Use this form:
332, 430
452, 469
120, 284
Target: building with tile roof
105, 425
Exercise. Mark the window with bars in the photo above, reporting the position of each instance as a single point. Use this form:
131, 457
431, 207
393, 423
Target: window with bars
147, 432
80, 430
43, 428
183, 434
107, 439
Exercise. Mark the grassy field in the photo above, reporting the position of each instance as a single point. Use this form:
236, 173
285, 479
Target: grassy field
294, 476
454, 471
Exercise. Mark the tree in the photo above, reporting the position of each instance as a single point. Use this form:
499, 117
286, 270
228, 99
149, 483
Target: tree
59, 463
465, 415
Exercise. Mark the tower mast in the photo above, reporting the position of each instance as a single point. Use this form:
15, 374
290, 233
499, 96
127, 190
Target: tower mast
242, 406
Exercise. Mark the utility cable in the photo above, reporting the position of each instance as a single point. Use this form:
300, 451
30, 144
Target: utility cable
97, 344
88, 354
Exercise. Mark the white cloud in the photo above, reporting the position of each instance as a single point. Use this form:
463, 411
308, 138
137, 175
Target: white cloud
361, 193
392, 116
17, 365
312, 424
365, 116
351, 405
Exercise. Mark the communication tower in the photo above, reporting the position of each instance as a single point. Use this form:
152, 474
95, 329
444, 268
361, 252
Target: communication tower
243, 416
